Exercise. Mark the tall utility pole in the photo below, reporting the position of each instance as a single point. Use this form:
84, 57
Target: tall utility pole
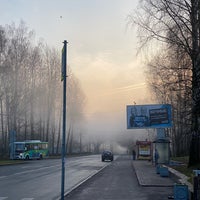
64, 79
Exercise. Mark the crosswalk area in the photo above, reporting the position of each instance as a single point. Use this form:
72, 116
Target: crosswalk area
7, 198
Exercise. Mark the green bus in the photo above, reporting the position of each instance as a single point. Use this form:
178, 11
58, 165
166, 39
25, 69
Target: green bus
29, 149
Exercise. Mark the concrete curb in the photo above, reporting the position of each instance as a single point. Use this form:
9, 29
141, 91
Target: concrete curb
81, 182
183, 179
148, 177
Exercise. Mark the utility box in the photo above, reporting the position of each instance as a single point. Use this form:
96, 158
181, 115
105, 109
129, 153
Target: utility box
181, 192
196, 183
164, 172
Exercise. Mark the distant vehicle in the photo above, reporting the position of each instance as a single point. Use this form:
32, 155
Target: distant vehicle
29, 149
107, 155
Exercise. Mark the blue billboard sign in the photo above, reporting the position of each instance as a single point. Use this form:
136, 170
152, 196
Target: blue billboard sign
149, 116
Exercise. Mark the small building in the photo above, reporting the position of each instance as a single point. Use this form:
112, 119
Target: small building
163, 149
162, 146
144, 150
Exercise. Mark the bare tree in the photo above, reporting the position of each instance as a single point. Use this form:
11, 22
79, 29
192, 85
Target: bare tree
169, 78
2, 114
176, 23
75, 109
30, 90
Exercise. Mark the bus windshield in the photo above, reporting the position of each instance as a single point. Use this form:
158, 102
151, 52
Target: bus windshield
19, 147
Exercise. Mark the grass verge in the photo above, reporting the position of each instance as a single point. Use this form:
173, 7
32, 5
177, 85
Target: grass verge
11, 162
184, 169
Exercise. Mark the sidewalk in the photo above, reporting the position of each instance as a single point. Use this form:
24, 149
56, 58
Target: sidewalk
147, 176
118, 182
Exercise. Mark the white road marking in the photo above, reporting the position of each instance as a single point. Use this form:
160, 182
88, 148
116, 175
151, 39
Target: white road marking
26, 167
27, 198
33, 170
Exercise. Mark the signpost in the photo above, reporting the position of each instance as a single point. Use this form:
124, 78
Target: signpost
64, 79
12, 141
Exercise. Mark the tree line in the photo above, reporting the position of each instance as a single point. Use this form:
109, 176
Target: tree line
31, 91
172, 28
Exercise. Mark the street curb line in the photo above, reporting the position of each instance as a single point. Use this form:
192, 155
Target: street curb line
183, 179
83, 181
149, 185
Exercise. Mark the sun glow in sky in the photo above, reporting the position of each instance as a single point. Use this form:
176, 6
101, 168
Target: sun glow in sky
101, 47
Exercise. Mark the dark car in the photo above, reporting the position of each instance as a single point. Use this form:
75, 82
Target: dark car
107, 155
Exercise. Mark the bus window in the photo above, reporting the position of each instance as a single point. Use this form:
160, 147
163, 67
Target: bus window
44, 146
35, 147
19, 147
27, 147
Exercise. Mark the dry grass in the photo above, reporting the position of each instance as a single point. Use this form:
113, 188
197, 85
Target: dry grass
184, 169
11, 162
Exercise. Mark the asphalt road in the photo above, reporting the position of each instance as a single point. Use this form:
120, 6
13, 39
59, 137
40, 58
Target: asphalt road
118, 182
41, 179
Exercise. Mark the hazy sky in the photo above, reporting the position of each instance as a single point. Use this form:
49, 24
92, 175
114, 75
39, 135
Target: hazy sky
101, 49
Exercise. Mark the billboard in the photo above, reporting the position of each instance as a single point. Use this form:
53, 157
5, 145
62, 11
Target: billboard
149, 116
144, 149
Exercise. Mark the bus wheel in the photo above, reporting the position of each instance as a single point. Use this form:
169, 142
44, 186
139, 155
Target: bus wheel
27, 157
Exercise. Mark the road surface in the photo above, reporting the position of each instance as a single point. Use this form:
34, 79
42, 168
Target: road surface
41, 179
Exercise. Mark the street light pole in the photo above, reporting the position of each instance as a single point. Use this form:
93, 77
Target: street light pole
64, 79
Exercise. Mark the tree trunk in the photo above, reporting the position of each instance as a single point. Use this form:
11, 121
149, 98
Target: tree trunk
194, 147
